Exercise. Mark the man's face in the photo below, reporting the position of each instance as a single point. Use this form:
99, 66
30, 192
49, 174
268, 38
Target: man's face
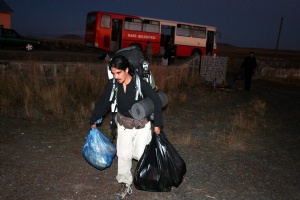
119, 75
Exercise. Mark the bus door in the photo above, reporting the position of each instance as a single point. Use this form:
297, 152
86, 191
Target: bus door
116, 34
210, 42
167, 35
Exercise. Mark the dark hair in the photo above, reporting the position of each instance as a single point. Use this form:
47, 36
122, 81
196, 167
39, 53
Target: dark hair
121, 62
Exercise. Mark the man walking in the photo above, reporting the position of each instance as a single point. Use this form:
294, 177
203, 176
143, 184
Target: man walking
133, 134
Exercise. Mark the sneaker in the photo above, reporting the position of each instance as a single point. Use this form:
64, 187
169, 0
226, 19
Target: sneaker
123, 192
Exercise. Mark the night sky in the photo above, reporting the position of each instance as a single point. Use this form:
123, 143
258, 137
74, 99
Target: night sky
244, 23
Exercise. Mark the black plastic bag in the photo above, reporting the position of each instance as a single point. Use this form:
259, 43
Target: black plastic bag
177, 166
152, 172
160, 166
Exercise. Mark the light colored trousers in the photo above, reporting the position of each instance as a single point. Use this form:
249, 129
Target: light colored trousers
131, 144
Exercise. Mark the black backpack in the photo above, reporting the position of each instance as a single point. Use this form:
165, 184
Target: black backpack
135, 58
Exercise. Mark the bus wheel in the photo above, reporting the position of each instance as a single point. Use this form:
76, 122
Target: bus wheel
196, 52
136, 45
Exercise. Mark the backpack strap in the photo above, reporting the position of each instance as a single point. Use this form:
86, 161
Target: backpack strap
113, 89
113, 93
138, 87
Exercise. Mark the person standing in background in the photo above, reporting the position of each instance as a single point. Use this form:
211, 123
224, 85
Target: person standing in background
249, 66
148, 52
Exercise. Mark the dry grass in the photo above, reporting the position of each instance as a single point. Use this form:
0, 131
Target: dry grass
60, 96
69, 95
241, 127
73, 96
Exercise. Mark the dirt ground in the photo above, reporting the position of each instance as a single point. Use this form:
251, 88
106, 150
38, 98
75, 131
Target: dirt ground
43, 160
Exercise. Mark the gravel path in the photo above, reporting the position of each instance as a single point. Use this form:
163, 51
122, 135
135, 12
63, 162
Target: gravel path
42, 160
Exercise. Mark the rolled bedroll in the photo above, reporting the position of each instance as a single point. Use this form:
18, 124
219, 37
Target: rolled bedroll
145, 107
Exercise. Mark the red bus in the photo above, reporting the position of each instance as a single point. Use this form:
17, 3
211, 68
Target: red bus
111, 31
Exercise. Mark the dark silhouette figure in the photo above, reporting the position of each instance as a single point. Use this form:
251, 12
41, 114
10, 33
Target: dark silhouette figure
249, 66
170, 52
148, 52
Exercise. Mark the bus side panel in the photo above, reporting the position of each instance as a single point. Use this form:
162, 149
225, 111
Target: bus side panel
156, 48
90, 36
187, 46
103, 38
214, 52
186, 51
141, 38
96, 36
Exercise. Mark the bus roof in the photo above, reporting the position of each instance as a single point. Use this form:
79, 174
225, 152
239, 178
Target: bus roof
166, 22
170, 22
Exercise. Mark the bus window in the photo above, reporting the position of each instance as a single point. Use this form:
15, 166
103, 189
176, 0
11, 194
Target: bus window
199, 32
105, 21
133, 24
184, 30
151, 26
91, 20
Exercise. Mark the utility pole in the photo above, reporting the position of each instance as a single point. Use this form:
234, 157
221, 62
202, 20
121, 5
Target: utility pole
278, 36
